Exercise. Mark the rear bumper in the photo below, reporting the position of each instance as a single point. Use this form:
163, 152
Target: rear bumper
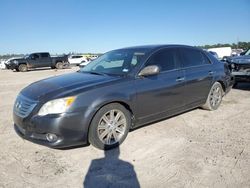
67, 127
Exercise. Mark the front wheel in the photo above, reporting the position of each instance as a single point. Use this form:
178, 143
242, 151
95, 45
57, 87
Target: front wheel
23, 68
110, 126
214, 97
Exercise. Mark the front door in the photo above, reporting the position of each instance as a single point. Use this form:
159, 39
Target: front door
160, 94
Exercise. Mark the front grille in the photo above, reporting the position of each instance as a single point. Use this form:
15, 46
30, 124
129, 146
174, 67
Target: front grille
23, 106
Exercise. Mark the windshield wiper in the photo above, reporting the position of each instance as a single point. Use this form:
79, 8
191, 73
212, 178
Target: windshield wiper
93, 72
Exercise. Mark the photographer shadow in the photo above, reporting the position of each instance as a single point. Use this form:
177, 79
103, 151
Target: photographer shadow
110, 171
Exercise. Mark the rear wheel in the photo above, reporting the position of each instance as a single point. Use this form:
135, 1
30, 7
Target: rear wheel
214, 97
23, 68
59, 65
110, 126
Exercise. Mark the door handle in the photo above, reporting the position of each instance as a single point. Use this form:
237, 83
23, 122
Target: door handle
210, 72
180, 79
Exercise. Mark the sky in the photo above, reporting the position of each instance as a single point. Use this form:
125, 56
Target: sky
63, 26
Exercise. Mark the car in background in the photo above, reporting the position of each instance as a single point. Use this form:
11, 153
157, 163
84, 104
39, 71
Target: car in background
240, 66
222, 51
2, 64
214, 54
37, 60
121, 90
77, 59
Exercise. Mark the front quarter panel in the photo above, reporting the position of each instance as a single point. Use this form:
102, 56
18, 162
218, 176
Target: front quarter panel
89, 102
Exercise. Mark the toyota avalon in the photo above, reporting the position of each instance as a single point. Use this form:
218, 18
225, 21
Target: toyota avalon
121, 90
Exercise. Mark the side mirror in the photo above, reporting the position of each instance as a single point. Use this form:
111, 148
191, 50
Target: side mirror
149, 70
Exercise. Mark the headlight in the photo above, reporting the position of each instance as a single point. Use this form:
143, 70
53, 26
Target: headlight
56, 106
232, 65
15, 61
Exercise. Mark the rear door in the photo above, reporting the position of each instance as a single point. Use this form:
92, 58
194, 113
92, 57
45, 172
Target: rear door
198, 75
160, 94
45, 60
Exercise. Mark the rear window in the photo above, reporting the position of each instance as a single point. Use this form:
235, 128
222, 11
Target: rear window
43, 55
192, 57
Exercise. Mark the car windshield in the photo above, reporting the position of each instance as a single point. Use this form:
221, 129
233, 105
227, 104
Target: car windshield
247, 52
117, 62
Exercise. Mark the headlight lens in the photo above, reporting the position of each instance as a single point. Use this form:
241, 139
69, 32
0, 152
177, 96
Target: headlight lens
56, 106
232, 65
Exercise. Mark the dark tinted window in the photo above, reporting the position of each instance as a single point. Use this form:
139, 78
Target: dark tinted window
192, 57
34, 56
43, 55
166, 59
76, 56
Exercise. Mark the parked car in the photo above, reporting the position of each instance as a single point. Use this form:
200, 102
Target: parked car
240, 66
37, 60
222, 51
77, 59
121, 90
2, 65
214, 54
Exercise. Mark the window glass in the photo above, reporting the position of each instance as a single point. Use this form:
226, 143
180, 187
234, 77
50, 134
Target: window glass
43, 55
166, 59
205, 59
118, 62
34, 56
193, 57
75, 56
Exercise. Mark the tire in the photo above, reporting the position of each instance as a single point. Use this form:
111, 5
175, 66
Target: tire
59, 65
105, 133
214, 97
23, 68
17, 70
66, 65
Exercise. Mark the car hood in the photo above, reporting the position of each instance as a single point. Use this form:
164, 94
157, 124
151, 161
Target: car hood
64, 85
13, 59
241, 59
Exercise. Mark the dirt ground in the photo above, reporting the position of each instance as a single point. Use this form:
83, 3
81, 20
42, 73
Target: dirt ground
195, 149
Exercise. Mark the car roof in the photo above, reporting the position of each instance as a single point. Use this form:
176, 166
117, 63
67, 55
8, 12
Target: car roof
158, 46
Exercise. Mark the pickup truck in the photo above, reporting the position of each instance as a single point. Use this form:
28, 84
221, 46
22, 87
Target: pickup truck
37, 60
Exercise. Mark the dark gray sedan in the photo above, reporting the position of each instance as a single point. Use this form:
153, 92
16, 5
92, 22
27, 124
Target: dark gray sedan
121, 90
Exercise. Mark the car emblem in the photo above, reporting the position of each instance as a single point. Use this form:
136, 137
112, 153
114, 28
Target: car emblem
18, 105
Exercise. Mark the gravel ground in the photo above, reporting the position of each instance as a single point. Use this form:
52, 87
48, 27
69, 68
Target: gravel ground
195, 149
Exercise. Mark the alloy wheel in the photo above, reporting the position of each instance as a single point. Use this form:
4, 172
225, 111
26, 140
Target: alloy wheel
112, 127
216, 96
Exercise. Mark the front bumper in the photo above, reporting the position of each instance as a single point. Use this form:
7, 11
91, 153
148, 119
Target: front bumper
11, 66
241, 76
68, 127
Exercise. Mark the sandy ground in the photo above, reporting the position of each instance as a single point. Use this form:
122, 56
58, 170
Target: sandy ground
196, 149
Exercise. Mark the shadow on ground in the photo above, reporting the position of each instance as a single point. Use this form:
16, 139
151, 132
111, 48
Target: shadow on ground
110, 171
243, 86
